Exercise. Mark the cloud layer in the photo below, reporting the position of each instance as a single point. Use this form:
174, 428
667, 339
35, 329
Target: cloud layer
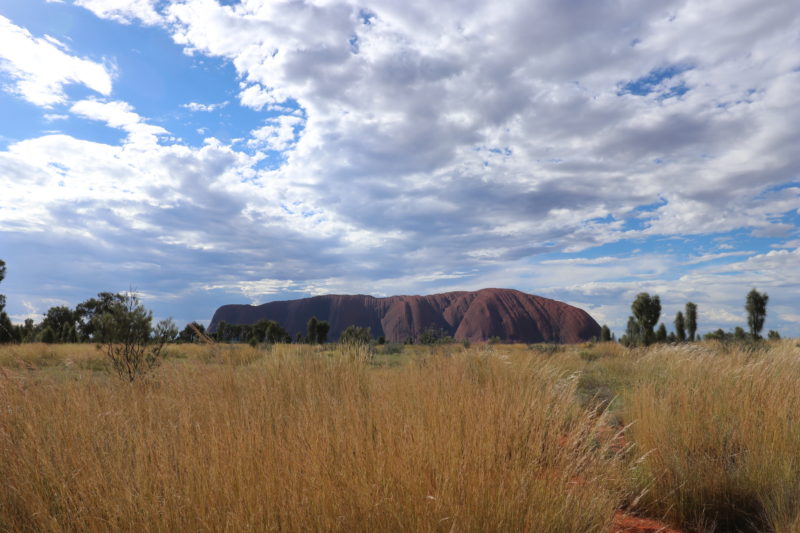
526, 144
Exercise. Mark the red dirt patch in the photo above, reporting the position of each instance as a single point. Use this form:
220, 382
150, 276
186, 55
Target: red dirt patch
625, 523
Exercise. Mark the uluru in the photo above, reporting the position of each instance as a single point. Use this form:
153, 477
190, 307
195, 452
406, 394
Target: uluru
510, 315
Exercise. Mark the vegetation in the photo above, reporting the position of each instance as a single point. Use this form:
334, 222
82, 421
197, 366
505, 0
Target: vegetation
646, 310
691, 320
296, 437
680, 327
355, 335
317, 331
756, 307
132, 345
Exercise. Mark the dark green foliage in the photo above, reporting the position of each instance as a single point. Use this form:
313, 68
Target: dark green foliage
393, 348
2, 277
756, 307
495, 340
190, 332
317, 331
355, 335
87, 313
691, 320
646, 310
605, 334
661, 334
718, 335
47, 335
311, 330
739, 334
773, 335
631, 336
8, 333
131, 345
434, 336
680, 327
672, 338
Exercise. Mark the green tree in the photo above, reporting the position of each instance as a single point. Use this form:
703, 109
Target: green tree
680, 327
323, 327
739, 334
605, 334
2, 277
632, 333
661, 334
192, 332
47, 335
311, 330
88, 312
6, 328
756, 307
355, 335
773, 335
691, 320
60, 319
132, 345
646, 310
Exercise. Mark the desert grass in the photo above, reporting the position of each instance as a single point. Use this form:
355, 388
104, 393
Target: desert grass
719, 430
705, 436
304, 439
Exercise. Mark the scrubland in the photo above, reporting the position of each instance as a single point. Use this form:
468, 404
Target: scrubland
703, 436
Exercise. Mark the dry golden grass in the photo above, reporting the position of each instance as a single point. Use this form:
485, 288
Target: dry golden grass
720, 428
298, 439
500, 438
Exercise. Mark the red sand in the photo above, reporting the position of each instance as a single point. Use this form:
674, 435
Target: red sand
625, 523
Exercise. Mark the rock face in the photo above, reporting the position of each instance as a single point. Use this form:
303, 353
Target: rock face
511, 315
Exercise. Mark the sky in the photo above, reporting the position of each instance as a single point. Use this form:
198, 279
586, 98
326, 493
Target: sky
206, 153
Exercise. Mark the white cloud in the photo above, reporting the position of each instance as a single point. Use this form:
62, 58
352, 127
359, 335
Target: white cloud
120, 115
279, 133
124, 11
470, 141
195, 106
40, 67
581, 261
712, 257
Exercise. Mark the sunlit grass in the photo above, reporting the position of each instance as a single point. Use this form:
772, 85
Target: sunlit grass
411, 438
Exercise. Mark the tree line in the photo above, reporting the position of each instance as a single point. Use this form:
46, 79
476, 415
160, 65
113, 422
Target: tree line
96, 320
646, 311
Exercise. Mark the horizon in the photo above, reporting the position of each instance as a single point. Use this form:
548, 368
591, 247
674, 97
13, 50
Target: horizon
206, 153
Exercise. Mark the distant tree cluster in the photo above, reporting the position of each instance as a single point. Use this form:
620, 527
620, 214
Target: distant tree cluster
755, 305
646, 311
263, 331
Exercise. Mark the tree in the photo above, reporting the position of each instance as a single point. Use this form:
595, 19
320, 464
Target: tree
661, 334
6, 328
691, 320
632, 333
131, 344
61, 319
317, 330
646, 310
739, 334
773, 335
311, 330
605, 334
2, 277
193, 332
87, 313
355, 335
680, 327
756, 307
322, 331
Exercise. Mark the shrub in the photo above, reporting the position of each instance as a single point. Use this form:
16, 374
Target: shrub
132, 346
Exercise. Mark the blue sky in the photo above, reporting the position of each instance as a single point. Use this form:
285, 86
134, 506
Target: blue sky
207, 153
